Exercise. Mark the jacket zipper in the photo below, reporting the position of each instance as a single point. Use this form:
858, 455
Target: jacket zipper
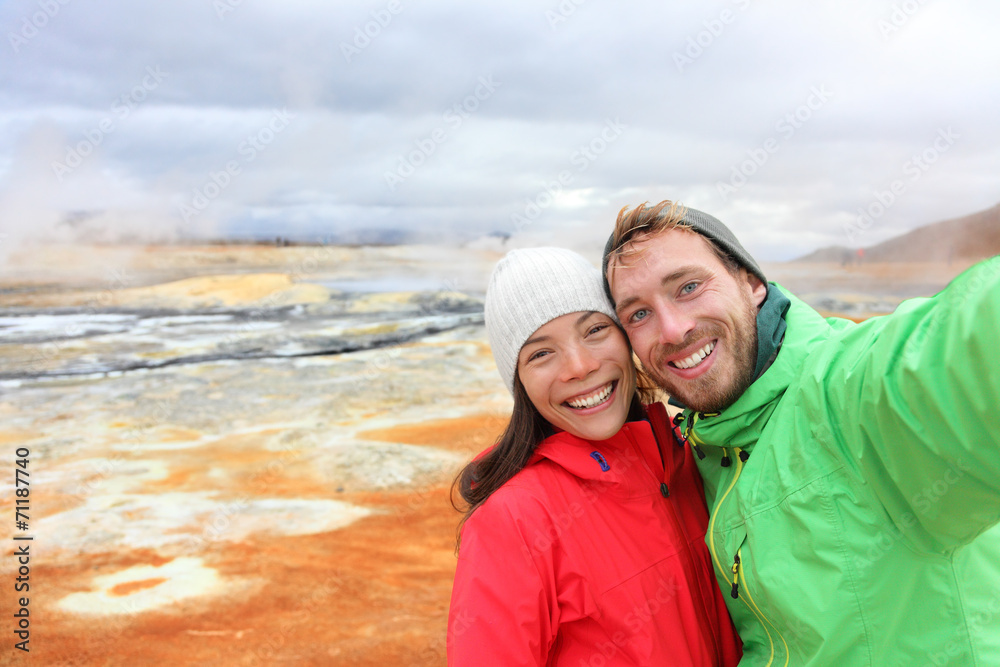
752, 604
734, 583
672, 513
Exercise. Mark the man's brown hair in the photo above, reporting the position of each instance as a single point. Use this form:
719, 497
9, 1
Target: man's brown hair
646, 220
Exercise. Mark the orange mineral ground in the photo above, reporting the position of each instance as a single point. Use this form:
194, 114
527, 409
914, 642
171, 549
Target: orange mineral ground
374, 592
207, 485
243, 455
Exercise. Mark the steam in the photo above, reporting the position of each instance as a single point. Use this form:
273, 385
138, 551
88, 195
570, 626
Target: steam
94, 202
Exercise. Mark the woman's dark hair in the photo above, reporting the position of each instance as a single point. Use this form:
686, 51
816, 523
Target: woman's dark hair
513, 449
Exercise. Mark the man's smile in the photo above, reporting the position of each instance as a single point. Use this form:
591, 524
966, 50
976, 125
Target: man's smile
694, 359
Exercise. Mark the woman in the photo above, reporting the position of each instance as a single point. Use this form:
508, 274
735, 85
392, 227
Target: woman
583, 538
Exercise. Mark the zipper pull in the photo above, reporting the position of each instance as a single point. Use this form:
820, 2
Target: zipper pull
726, 461
735, 593
601, 461
694, 445
664, 491
679, 438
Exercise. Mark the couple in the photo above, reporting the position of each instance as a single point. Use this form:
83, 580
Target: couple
851, 471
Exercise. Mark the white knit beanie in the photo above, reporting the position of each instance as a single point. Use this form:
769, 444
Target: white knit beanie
531, 287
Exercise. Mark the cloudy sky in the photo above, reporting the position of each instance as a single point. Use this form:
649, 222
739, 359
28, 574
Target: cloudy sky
538, 120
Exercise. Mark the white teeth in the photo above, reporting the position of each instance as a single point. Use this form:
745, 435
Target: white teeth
695, 358
596, 398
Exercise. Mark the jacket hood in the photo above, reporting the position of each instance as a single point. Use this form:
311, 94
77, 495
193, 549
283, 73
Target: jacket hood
741, 424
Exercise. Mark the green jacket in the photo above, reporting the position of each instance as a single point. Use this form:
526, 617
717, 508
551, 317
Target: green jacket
861, 529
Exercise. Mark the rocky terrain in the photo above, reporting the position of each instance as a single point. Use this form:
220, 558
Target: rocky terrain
242, 467
242, 455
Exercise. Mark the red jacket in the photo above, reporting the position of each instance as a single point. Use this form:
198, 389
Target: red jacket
581, 559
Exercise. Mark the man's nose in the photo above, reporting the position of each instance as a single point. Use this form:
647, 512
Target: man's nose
674, 323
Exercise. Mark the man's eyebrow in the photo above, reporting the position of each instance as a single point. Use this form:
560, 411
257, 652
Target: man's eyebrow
626, 303
665, 280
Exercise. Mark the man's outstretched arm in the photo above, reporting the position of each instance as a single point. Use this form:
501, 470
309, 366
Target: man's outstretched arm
919, 410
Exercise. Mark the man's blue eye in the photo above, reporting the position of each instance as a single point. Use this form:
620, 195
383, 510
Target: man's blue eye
639, 315
690, 287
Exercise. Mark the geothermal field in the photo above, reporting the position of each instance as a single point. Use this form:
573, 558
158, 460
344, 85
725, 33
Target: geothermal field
242, 455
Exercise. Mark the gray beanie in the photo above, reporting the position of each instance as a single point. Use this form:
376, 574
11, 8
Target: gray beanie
531, 287
709, 227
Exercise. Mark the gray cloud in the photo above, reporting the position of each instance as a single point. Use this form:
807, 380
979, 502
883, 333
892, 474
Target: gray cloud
457, 119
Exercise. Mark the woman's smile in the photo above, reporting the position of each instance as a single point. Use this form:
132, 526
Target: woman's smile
577, 370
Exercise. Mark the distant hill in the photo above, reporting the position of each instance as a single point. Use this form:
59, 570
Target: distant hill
975, 236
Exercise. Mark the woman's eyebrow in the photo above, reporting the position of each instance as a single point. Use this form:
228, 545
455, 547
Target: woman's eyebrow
536, 339
580, 320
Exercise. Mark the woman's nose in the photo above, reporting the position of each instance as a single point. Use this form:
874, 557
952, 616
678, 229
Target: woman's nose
578, 363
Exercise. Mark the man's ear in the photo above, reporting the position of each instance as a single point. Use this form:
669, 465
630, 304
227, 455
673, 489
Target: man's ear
758, 289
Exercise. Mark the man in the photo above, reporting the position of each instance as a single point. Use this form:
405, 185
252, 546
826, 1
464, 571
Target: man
852, 471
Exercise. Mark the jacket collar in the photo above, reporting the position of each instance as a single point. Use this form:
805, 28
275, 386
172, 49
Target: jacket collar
741, 424
618, 452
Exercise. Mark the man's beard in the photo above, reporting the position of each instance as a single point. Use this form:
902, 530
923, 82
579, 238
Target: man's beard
714, 391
